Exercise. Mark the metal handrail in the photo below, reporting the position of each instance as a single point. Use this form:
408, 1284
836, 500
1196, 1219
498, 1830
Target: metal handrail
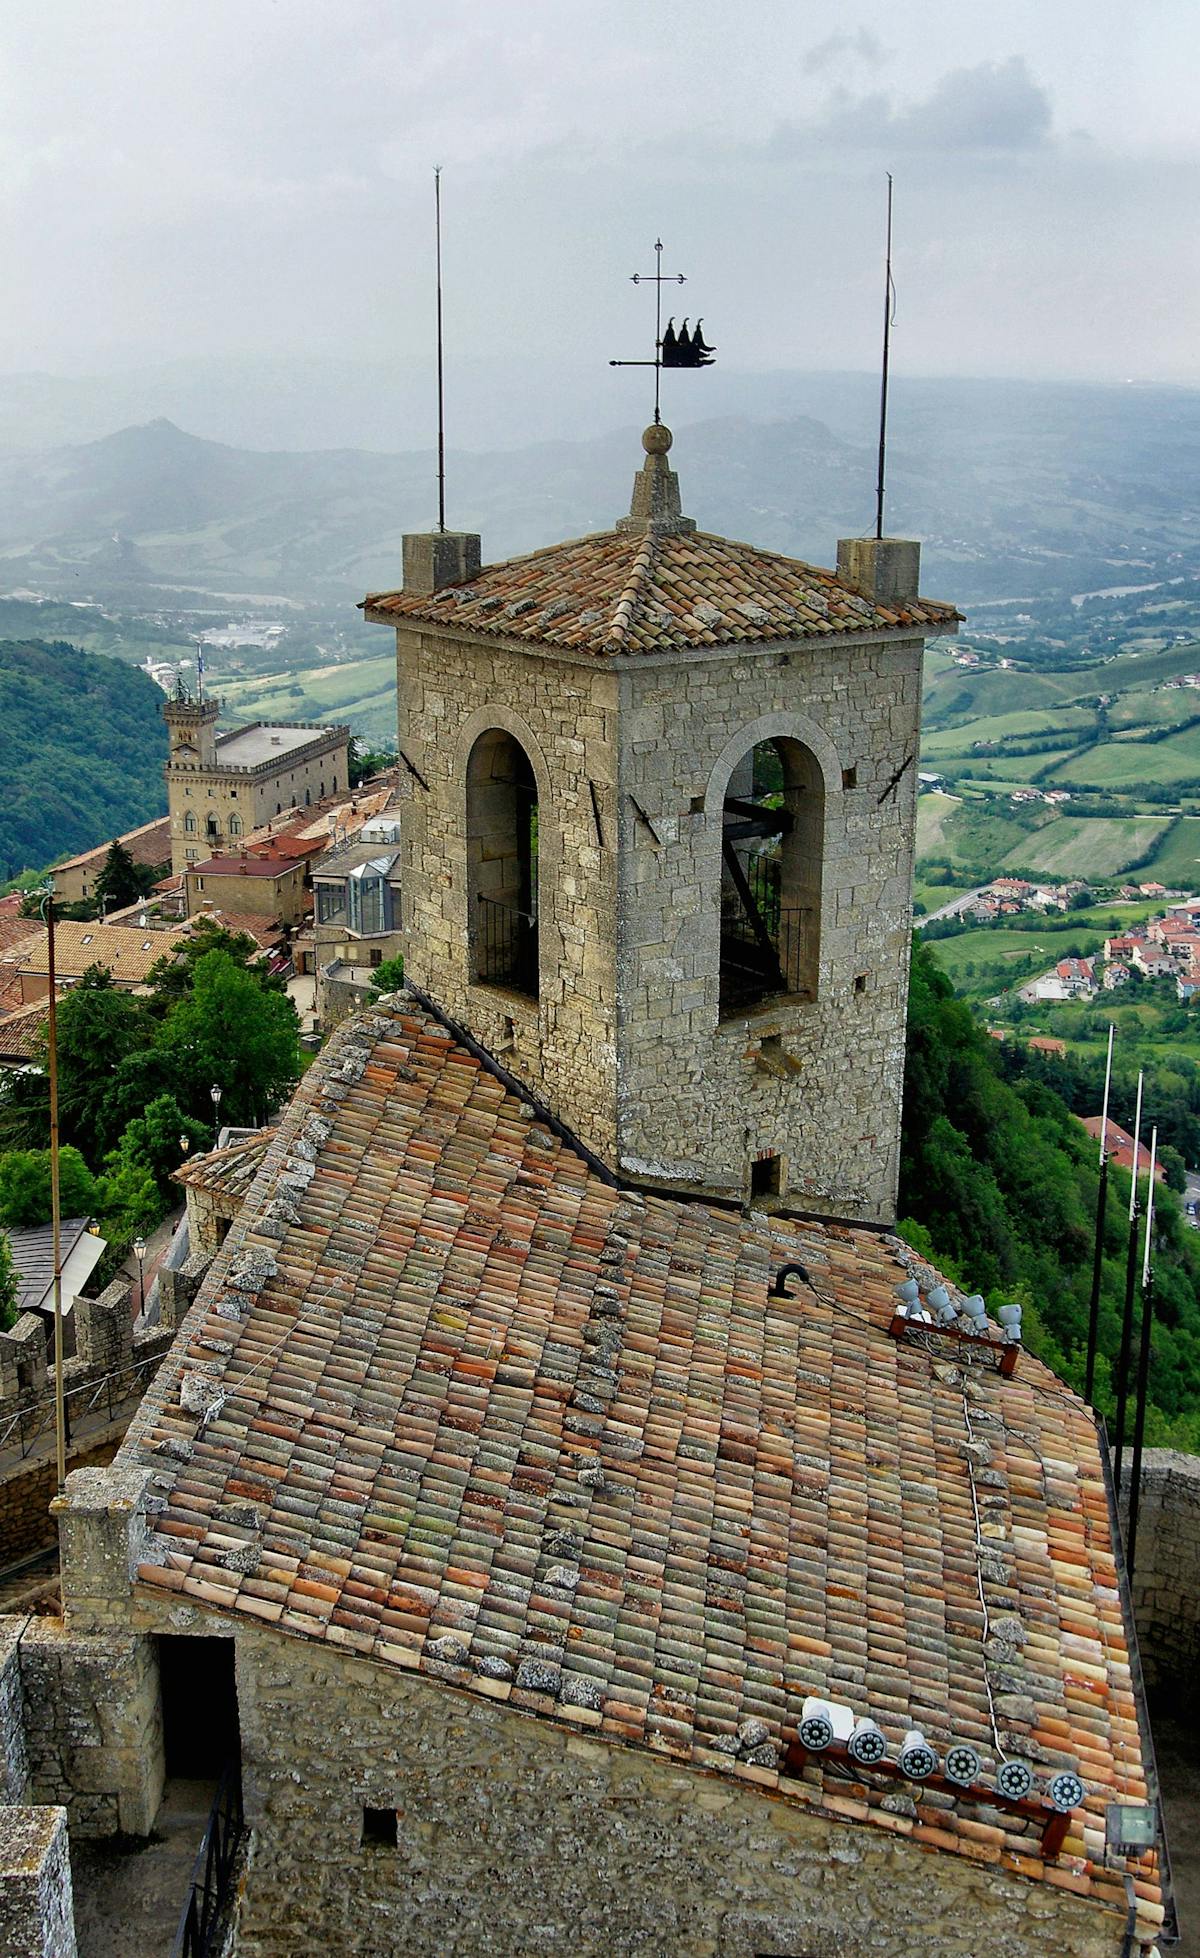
203, 1916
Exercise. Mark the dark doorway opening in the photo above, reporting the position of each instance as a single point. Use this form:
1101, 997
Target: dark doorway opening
199, 1702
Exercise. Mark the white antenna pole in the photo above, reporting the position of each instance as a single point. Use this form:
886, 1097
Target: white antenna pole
1137, 1135
1107, 1083
1149, 1209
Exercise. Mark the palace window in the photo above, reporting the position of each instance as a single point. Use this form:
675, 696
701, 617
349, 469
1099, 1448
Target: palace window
189, 823
235, 825
502, 864
772, 840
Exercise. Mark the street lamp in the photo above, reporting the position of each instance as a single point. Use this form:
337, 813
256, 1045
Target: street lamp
215, 1092
139, 1252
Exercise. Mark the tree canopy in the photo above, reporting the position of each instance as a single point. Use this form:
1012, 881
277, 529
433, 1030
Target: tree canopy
121, 881
25, 1198
1001, 1182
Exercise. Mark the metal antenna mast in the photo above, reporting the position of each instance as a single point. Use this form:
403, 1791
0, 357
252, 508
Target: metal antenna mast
441, 397
889, 300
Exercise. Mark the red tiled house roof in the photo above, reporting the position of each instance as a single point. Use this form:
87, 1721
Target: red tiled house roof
538, 1437
655, 590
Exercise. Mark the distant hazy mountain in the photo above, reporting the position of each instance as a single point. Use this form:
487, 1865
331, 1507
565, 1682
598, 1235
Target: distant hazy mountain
1015, 490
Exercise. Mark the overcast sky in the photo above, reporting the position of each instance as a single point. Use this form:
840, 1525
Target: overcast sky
249, 177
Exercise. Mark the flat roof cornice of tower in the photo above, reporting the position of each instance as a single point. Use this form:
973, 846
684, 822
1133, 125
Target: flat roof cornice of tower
656, 591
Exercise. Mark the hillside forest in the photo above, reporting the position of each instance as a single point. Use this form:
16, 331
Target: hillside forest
998, 1186
82, 747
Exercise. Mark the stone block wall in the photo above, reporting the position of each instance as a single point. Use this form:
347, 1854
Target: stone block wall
93, 1726
103, 1383
14, 1754
27, 1490
1166, 1581
563, 714
513, 1835
701, 1098
36, 1913
625, 1041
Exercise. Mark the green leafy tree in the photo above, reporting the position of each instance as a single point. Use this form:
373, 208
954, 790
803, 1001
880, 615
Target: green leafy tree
25, 1199
98, 1028
388, 977
156, 1142
129, 1201
371, 761
119, 882
1000, 1180
8, 1286
173, 976
232, 1031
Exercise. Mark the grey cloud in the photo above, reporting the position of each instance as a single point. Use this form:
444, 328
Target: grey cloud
860, 46
997, 106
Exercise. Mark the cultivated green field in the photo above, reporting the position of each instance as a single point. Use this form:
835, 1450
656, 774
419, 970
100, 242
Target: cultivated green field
1089, 847
960, 737
1177, 861
1129, 765
992, 959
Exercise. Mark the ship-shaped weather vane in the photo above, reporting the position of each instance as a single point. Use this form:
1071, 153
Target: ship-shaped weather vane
671, 349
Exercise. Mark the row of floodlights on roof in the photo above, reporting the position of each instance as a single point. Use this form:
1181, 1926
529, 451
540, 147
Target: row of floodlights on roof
937, 1308
824, 1724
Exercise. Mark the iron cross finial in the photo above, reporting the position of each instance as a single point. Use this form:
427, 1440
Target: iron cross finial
671, 349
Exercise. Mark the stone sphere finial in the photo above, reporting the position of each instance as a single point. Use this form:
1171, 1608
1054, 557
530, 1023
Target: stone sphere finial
657, 439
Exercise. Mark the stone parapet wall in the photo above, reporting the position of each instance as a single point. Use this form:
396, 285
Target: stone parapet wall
103, 1383
36, 1911
14, 1754
93, 1723
513, 1835
1166, 1580
27, 1490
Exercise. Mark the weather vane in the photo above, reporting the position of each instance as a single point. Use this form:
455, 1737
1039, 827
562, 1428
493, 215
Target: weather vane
671, 349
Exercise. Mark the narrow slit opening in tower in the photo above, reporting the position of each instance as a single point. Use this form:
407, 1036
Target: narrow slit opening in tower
772, 839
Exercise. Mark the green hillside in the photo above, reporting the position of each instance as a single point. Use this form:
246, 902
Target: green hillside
1000, 1182
82, 744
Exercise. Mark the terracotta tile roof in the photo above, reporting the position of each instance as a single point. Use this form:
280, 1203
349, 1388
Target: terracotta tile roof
256, 864
655, 591
227, 1172
471, 1411
127, 951
150, 844
21, 1032
13, 927
1119, 1145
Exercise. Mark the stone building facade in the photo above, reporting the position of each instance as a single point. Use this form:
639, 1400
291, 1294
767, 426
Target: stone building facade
220, 788
636, 743
255, 884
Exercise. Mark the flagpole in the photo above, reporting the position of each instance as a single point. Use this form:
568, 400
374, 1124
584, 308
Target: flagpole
883, 387
1143, 1378
1127, 1314
1098, 1258
60, 1405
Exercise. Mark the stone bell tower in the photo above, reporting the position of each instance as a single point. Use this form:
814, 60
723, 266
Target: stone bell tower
659, 836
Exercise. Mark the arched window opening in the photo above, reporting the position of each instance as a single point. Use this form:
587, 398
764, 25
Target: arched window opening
502, 864
235, 825
772, 837
189, 823
212, 828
